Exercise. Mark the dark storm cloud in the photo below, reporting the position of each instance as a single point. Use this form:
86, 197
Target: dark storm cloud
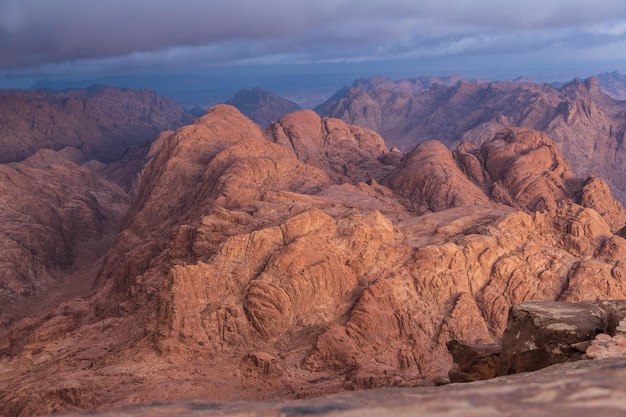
147, 32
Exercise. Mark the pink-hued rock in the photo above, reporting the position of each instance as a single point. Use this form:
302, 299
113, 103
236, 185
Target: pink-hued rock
585, 124
542, 333
603, 337
289, 263
620, 340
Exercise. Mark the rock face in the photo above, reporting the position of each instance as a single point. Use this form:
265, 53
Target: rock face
586, 125
430, 178
346, 153
542, 333
305, 259
100, 121
262, 106
473, 362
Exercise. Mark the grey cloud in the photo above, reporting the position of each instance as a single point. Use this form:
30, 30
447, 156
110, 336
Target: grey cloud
40, 32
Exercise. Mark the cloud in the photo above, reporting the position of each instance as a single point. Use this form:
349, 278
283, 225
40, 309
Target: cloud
65, 33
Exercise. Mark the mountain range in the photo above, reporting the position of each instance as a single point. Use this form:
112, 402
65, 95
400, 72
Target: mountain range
586, 124
225, 261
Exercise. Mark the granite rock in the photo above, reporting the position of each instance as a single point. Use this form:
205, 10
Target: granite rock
541, 333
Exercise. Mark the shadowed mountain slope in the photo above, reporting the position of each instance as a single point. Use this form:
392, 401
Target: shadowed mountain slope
262, 106
102, 122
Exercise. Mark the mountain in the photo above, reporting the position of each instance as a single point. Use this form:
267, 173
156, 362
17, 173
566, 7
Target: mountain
100, 121
408, 86
309, 258
60, 208
586, 124
261, 106
57, 219
614, 84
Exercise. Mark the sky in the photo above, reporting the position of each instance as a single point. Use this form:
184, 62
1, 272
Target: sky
67, 39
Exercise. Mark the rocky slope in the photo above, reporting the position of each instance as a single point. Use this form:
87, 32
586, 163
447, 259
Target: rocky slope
58, 219
586, 124
60, 210
102, 122
262, 106
308, 258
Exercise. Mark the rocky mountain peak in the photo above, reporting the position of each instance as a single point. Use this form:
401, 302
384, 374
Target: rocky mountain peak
262, 106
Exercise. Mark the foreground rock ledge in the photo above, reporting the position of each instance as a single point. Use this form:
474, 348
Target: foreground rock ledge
542, 333
572, 389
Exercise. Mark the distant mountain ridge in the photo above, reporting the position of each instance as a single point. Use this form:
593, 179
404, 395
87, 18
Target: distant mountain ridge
586, 124
101, 121
613, 83
410, 85
262, 106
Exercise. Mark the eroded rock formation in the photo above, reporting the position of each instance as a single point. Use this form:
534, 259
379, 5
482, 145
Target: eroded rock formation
586, 125
309, 258
542, 333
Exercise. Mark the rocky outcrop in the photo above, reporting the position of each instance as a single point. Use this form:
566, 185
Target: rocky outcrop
473, 362
526, 168
347, 153
431, 180
102, 122
519, 167
542, 333
257, 264
262, 106
595, 194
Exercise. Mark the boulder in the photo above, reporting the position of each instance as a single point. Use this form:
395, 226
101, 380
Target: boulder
542, 333
473, 362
